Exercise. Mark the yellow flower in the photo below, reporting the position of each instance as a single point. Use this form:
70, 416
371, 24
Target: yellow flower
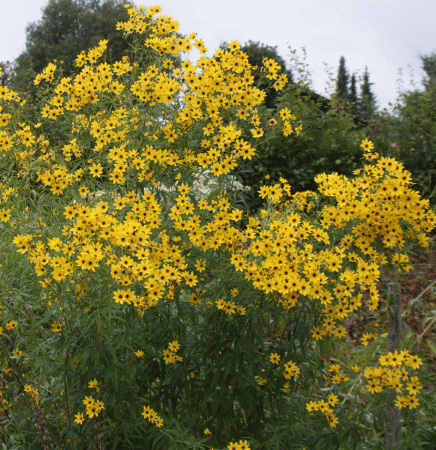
334, 368
96, 170
401, 402
139, 353
158, 421
243, 445
116, 87
332, 399
5, 215
257, 132
229, 308
88, 401
332, 419
367, 145
285, 113
93, 385
274, 358
413, 402
79, 418
374, 386
291, 370
285, 388
173, 346
312, 406
414, 361
366, 338
56, 327
220, 304
287, 128
147, 412
261, 381
11, 325
92, 410
414, 387
169, 357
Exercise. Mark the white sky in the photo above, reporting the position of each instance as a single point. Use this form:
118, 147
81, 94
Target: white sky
384, 35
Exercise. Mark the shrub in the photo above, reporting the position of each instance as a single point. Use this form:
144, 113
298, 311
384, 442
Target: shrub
138, 311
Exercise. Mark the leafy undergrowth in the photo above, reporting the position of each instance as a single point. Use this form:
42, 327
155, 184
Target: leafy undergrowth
418, 292
418, 295
418, 288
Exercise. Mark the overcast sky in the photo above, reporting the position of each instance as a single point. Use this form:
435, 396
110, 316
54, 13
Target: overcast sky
384, 35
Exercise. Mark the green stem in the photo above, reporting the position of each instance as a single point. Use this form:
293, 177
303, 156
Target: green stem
393, 413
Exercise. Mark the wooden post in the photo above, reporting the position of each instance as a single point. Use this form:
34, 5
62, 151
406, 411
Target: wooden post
394, 326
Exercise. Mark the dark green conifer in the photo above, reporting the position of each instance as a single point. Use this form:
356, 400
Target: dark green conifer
367, 98
353, 92
342, 81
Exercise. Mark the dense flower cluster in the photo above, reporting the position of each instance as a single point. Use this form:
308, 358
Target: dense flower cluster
326, 408
151, 415
392, 374
370, 219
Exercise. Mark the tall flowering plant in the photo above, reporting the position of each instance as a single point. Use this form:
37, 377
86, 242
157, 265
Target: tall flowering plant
149, 309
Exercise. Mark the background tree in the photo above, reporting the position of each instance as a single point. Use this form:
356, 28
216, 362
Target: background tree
7, 70
353, 92
367, 98
409, 134
328, 142
429, 67
342, 81
66, 28
256, 52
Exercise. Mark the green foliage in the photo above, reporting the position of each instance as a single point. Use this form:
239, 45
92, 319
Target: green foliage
7, 69
429, 67
328, 142
409, 134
